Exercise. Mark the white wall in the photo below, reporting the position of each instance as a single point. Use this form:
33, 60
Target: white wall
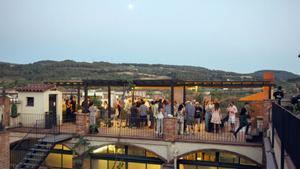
29, 115
165, 150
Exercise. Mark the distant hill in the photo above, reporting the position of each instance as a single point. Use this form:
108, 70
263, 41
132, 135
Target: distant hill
279, 74
19, 74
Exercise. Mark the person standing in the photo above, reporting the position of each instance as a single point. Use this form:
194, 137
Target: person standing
208, 111
232, 110
68, 110
216, 117
176, 106
244, 117
143, 114
93, 112
160, 122
105, 106
149, 113
278, 95
127, 108
180, 118
154, 107
167, 107
73, 102
198, 116
190, 114
133, 115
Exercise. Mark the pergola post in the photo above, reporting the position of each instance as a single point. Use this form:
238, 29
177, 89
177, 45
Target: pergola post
109, 100
184, 94
85, 98
270, 92
78, 95
172, 98
132, 96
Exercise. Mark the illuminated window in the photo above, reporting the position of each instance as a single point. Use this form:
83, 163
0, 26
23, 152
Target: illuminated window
209, 156
228, 158
150, 154
190, 157
136, 151
246, 162
199, 156
101, 150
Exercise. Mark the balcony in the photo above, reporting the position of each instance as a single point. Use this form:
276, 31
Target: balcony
118, 129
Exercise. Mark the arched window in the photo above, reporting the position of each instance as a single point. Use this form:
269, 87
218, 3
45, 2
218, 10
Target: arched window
125, 157
215, 159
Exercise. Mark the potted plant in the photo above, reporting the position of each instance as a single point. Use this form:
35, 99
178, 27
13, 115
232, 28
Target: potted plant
14, 115
93, 129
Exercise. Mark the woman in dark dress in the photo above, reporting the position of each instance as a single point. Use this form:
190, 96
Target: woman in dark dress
68, 110
244, 116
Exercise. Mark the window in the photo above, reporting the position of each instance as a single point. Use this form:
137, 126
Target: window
30, 101
136, 151
228, 158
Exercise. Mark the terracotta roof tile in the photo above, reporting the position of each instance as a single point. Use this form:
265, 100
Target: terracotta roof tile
36, 88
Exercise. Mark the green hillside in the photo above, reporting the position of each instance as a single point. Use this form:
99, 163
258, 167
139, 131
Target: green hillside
19, 74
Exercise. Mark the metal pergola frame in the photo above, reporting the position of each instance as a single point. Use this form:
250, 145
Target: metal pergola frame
157, 83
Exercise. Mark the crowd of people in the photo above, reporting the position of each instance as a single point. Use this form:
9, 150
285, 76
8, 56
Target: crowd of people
142, 113
191, 116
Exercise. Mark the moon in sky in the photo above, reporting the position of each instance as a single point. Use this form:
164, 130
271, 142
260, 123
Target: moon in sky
130, 6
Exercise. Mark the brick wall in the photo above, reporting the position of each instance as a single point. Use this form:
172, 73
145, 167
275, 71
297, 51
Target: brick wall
5, 101
261, 108
4, 150
170, 132
82, 123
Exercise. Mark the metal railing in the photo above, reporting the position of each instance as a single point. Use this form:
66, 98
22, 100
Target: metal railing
26, 120
208, 132
287, 126
135, 127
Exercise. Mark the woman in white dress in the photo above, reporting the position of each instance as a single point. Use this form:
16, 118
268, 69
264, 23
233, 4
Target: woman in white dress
232, 110
216, 117
180, 118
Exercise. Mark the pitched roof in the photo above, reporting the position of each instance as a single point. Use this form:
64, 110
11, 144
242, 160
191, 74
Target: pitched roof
36, 88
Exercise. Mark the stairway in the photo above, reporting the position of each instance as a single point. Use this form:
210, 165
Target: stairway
39, 152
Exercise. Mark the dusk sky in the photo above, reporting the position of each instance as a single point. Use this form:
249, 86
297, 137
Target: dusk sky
232, 35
